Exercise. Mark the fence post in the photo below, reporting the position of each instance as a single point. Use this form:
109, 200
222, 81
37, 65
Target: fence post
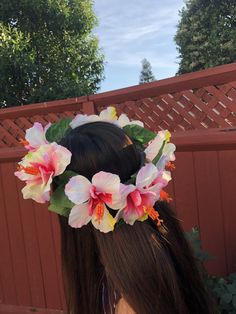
88, 107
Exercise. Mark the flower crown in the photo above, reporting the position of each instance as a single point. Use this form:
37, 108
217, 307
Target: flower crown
84, 201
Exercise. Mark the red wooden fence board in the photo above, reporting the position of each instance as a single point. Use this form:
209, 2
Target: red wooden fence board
170, 189
48, 259
17, 242
227, 166
56, 249
185, 192
26, 210
56, 238
11, 309
210, 209
1, 291
6, 267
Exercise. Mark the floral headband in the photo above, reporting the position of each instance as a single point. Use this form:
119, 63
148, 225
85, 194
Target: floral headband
84, 201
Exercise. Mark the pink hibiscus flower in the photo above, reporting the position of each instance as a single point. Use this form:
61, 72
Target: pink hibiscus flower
91, 198
39, 167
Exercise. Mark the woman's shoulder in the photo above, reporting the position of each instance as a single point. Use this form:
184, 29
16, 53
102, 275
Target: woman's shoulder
123, 307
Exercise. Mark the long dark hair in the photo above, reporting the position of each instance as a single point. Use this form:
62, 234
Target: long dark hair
152, 268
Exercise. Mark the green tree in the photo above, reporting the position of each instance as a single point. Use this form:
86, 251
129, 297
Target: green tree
146, 74
47, 51
206, 34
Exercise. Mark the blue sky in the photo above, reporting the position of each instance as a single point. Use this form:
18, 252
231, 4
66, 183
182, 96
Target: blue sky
130, 30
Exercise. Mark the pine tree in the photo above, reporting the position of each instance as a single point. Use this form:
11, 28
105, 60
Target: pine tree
206, 34
146, 74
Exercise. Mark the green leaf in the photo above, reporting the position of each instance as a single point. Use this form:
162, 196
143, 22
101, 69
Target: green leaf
59, 199
40, 52
63, 211
139, 134
232, 278
194, 239
65, 177
155, 160
226, 297
58, 130
231, 288
234, 301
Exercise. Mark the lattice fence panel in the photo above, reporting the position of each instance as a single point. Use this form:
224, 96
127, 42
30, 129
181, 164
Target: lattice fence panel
212, 106
12, 130
201, 108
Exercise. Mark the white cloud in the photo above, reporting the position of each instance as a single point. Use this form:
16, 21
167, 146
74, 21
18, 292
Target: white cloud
132, 30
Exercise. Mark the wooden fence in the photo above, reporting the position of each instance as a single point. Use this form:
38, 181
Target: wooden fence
203, 186
200, 100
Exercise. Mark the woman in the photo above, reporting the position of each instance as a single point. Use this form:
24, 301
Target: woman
139, 268
123, 249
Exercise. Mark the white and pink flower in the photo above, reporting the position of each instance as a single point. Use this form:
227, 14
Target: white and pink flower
156, 144
35, 136
81, 119
108, 115
91, 198
142, 195
39, 167
123, 120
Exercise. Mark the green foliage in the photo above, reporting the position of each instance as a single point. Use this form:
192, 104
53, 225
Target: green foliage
63, 178
47, 51
224, 290
195, 241
146, 75
59, 202
58, 130
139, 134
155, 160
206, 34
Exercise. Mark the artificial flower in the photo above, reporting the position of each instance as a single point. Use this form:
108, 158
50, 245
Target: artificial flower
81, 119
161, 142
123, 120
35, 136
142, 195
164, 196
39, 167
108, 114
166, 156
91, 198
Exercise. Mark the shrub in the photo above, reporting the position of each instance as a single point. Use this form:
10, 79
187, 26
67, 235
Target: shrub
224, 290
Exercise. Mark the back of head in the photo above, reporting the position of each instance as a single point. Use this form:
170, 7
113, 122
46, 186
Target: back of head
152, 268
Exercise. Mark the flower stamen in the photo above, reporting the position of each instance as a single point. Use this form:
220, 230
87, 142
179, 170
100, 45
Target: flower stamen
153, 214
29, 170
164, 196
23, 142
170, 166
99, 211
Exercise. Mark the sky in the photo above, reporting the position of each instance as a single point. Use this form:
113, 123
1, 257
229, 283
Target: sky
131, 30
